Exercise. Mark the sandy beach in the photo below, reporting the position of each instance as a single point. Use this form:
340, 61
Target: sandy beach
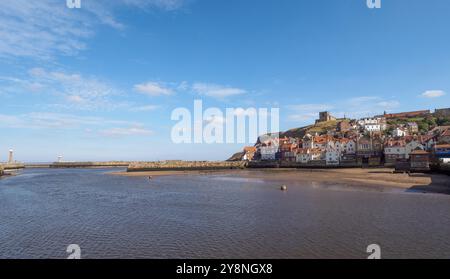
435, 183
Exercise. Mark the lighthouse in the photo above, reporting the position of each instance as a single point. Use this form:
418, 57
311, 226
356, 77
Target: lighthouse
11, 157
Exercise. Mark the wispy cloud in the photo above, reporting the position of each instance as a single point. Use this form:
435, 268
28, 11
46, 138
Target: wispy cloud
130, 131
144, 108
58, 121
216, 90
40, 29
433, 94
74, 91
44, 120
168, 5
77, 90
153, 89
47, 28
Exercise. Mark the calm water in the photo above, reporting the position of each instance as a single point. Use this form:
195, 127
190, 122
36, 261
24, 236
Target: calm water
43, 211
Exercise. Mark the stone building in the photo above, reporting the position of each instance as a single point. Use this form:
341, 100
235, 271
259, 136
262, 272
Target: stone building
325, 116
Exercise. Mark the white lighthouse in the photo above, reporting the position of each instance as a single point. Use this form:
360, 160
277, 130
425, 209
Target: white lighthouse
11, 157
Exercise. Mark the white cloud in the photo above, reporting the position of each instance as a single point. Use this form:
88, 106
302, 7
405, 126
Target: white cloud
88, 124
144, 108
77, 91
387, 105
75, 99
168, 5
153, 89
44, 120
120, 132
216, 91
433, 94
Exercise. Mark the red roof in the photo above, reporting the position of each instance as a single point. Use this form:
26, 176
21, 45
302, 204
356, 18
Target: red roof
250, 149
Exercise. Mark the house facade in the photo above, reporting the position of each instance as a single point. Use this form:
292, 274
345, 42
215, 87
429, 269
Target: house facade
268, 152
394, 150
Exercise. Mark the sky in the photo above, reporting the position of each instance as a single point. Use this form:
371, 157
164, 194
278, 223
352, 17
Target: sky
101, 82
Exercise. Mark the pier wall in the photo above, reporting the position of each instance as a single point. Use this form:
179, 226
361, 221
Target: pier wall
185, 165
89, 164
13, 166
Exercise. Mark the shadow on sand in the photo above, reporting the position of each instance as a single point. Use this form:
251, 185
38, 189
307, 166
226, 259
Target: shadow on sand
440, 183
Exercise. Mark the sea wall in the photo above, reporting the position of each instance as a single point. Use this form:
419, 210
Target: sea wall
184, 165
88, 164
13, 166
1, 170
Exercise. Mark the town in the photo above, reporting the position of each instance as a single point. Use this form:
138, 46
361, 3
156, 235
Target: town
408, 141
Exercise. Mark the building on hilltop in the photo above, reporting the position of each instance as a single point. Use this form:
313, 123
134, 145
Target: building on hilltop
407, 114
325, 116
442, 112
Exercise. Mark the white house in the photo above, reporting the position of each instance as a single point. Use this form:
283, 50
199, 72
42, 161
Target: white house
333, 152
347, 146
268, 152
393, 150
399, 132
306, 155
308, 141
372, 127
373, 124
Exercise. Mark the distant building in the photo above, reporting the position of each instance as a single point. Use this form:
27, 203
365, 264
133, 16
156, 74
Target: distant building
412, 127
399, 132
325, 116
413, 145
444, 137
376, 124
288, 152
420, 160
333, 153
249, 153
442, 112
394, 150
442, 152
369, 150
305, 156
407, 114
343, 126
268, 152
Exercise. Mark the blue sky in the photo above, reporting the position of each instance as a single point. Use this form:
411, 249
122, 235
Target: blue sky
100, 82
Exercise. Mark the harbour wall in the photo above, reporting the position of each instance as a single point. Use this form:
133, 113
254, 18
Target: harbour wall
185, 165
89, 164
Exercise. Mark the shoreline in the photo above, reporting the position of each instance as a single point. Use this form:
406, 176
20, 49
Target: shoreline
429, 183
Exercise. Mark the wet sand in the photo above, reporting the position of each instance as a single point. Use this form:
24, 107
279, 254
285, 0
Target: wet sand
436, 183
